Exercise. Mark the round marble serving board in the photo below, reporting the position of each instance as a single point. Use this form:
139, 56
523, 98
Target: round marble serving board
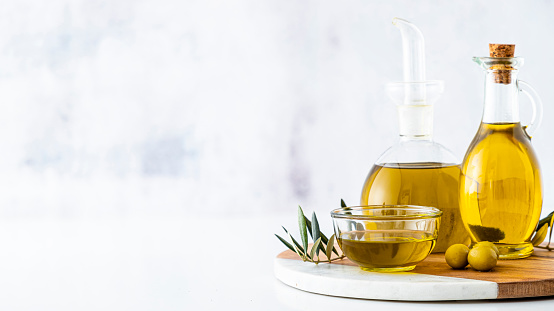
431, 280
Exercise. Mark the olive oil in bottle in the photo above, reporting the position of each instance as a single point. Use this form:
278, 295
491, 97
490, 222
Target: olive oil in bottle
501, 203
425, 184
500, 186
390, 250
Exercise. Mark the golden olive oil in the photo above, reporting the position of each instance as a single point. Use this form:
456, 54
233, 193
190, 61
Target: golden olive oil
389, 250
425, 184
500, 189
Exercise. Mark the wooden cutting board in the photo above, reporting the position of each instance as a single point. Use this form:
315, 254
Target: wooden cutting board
431, 280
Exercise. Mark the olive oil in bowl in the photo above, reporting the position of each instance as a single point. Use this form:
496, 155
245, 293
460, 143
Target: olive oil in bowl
386, 251
386, 238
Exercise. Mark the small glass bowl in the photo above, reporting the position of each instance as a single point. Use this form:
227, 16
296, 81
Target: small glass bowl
386, 238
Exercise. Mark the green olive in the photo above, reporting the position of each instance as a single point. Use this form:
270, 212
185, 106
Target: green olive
456, 256
482, 258
489, 244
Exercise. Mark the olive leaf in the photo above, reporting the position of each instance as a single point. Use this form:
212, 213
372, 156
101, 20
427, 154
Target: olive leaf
296, 244
324, 238
351, 226
302, 227
298, 251
330, 247
316, 234
359, 231
550, 225
546, 222
315, 249
286, 243
487, 233
345, 207
540, 235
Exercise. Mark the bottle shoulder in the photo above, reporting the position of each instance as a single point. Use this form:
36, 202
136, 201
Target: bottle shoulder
500, 138
417, 151
501, 145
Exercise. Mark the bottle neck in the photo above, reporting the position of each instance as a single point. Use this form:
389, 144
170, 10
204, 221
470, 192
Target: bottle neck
415, 122
501, 99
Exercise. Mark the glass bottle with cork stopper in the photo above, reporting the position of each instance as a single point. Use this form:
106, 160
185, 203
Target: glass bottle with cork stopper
500, 185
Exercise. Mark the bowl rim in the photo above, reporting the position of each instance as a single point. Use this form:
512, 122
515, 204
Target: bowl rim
425, 212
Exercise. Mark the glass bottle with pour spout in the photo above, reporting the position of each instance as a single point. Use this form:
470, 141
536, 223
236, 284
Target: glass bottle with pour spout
500, 187
417, 170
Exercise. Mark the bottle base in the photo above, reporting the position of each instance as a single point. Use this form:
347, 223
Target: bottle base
514, 251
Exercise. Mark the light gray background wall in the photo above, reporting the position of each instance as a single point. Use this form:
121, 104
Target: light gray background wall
164, 108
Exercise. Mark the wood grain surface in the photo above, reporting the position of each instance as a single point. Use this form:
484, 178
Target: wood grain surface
529, 277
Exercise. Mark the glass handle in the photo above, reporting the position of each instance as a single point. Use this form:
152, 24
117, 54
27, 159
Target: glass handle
536, 103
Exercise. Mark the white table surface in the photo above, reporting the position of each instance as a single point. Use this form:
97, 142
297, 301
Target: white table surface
165, 265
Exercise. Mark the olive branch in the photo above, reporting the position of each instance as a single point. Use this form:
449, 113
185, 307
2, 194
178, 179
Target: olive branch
321, 242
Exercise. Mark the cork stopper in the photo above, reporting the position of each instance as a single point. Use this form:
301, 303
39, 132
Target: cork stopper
503, 73
502, 50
